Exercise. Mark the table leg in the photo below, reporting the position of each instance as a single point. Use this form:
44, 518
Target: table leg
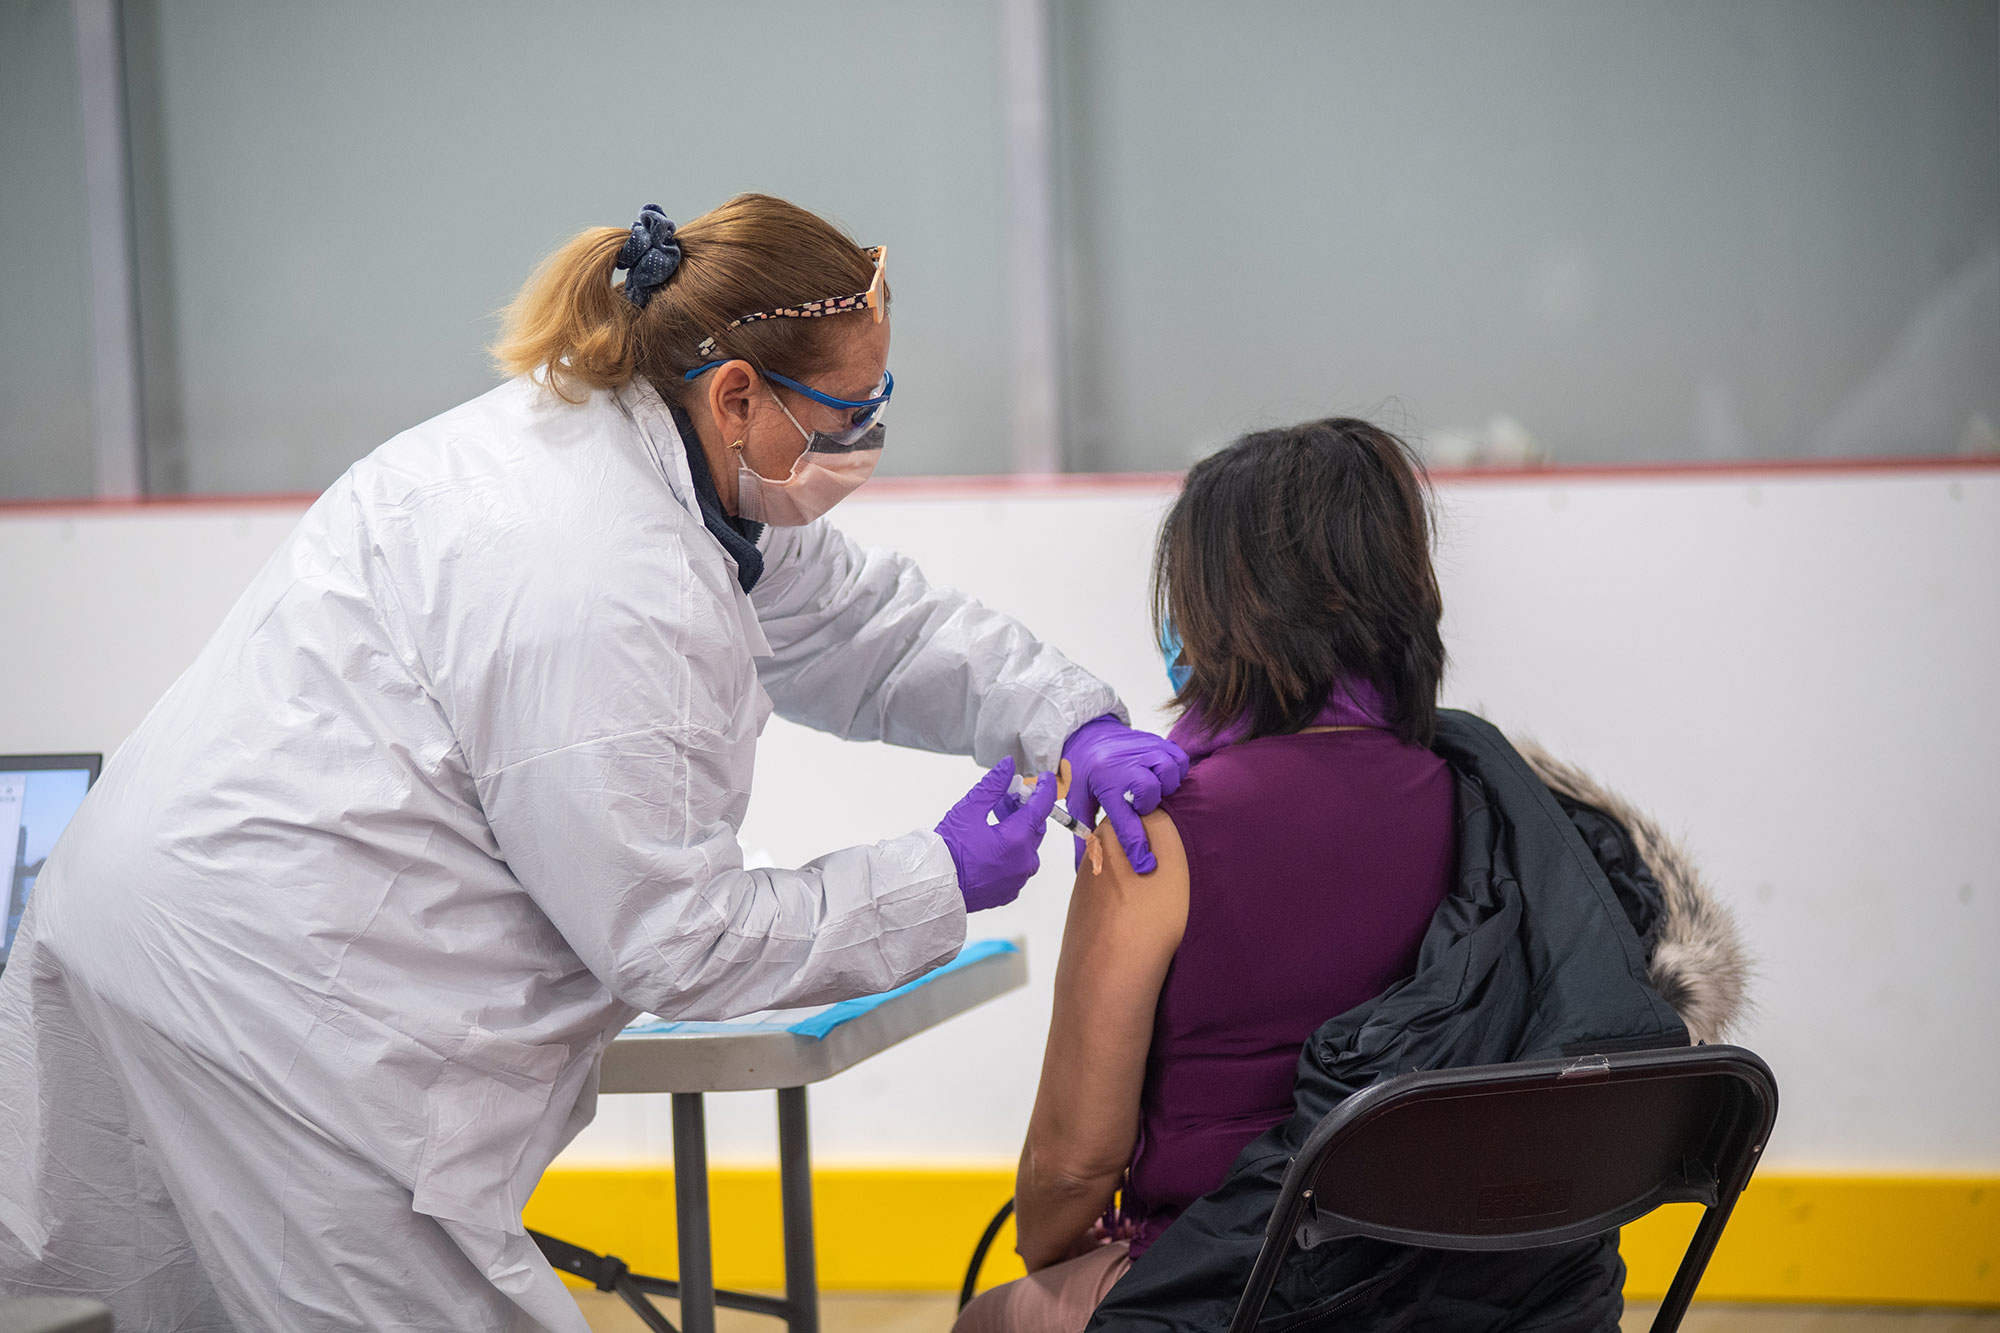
795, 1183
691, 1213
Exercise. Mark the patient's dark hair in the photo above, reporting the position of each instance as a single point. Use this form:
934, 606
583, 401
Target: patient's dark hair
1295, 558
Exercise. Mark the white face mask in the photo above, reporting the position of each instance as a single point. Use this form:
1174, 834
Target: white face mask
832, 468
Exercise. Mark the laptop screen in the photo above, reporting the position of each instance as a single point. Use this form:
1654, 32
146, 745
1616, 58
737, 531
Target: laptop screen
38, 794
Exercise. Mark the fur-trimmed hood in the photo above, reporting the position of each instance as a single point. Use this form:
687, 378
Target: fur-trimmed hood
1698, 963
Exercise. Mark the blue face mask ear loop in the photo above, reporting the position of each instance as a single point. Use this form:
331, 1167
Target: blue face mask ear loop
1170, 653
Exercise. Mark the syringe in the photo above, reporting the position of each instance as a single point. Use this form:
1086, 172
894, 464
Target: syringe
1069, 821
1060, 813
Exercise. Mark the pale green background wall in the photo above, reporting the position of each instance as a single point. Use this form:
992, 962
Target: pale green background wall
354, 189
1646, 230
44, 378
1704, 229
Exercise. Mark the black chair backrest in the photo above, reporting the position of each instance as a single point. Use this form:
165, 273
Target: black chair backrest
1504, 1157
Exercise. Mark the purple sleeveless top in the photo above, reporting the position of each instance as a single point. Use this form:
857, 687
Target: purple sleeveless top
1315, 863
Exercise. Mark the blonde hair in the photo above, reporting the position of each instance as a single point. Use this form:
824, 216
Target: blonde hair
573, 329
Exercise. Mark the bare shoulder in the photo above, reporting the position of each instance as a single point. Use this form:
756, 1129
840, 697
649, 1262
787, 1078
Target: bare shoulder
1107, 886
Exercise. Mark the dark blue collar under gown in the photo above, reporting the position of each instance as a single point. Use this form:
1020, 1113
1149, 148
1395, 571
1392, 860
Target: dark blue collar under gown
737, 535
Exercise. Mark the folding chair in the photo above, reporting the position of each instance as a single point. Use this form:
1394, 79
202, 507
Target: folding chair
1510, 1157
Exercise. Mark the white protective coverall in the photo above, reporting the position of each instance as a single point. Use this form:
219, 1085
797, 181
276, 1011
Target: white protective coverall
315, 985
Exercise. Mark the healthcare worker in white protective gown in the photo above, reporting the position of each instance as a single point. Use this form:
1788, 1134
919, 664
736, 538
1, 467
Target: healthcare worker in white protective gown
315, 985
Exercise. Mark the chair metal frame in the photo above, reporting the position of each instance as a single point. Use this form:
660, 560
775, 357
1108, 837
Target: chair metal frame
1516, 1156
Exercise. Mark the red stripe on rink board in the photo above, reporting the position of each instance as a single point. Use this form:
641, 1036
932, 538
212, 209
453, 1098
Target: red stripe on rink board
1754, 468
85, 506
1002, 485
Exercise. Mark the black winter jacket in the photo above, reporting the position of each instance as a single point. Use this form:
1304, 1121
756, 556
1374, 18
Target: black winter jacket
1540, 950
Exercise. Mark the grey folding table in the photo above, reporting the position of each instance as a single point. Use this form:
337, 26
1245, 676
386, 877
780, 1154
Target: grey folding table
783, 1051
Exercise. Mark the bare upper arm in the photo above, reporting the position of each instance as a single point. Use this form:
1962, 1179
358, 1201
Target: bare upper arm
1122, 931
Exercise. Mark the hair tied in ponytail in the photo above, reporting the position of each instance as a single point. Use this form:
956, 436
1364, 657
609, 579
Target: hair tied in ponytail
651, 253
569, 328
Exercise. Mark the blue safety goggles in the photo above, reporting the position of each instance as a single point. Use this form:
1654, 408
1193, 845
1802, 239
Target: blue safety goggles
861, 412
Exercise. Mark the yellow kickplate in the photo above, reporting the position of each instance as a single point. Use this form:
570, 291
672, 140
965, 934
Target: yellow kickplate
878, 1229
1869, 1240
1820, 1239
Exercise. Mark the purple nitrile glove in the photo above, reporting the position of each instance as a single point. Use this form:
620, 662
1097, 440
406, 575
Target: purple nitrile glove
1109, 761
995, 860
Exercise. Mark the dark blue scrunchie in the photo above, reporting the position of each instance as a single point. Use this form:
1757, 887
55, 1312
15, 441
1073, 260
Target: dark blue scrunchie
651, 252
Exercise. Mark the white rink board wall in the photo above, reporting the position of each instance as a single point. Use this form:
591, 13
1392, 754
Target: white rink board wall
1797, 670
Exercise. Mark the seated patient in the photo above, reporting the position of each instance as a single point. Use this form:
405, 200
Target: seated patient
1299, 863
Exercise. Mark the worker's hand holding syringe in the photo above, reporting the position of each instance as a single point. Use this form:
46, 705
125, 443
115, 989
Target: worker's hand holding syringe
1085, 834
994, 833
